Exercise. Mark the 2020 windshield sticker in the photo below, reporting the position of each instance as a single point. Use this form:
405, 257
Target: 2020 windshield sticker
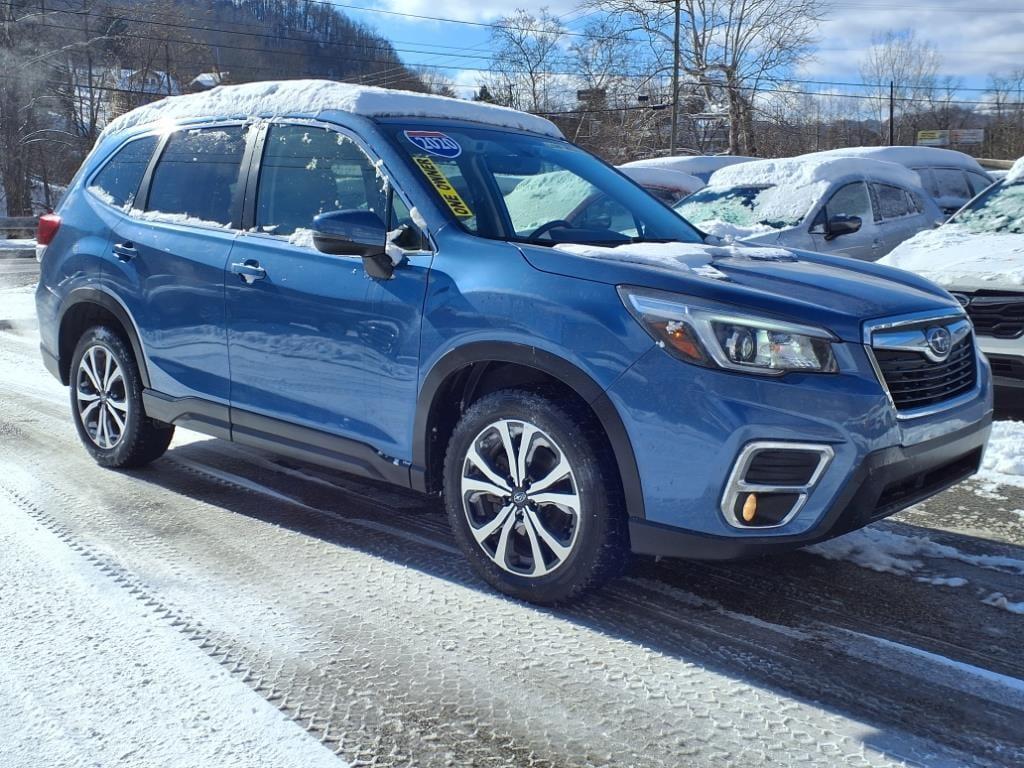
435, 143
444, 187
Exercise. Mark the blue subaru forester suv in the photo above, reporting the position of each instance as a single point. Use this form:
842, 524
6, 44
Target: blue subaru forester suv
453, 298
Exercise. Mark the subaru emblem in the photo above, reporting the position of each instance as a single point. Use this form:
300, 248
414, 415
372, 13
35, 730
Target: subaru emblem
939, 342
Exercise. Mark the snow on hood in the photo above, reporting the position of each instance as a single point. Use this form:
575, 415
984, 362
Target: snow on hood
666, 178
693, 165
686, 257
910, 157
315, 97
547, 196
955, 257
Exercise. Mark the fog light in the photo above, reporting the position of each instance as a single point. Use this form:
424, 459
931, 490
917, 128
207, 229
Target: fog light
750, 508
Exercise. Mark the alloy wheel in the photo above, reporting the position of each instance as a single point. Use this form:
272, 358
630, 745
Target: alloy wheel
521, 498
102, 397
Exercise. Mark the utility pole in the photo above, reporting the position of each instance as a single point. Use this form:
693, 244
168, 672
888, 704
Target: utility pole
892, 113
675, 82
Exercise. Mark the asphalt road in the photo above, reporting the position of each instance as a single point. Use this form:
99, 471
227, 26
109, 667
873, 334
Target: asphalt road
345, 604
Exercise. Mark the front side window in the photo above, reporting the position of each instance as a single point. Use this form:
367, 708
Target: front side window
309, 170
851, 200
892, 201
197, 177
977, 182
949, 185
510, 186
118, 182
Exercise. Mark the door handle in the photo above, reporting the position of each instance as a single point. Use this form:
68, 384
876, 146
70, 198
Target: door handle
249, 270
125, 251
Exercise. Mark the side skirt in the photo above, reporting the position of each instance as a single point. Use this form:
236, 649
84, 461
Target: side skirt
276, 436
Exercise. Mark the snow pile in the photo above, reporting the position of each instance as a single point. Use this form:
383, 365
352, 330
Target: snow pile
663, 178
955, 257
885, 551
547, 197
312, 98
1004, 457
909, 157
1016, 174
700, 165
999, 600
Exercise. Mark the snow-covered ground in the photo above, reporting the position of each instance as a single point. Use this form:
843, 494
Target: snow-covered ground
1004, 457
90, 677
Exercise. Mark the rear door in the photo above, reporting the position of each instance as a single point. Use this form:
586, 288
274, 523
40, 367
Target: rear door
170, 253
321, 354
902, 215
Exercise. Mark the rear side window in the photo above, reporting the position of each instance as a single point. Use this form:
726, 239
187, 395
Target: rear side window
308, 170
118, 182
893, 202
196, 178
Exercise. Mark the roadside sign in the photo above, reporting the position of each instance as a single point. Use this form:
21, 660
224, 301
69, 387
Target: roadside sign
967, 136
933, 138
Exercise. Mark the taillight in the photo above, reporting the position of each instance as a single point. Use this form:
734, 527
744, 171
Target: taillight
49, 223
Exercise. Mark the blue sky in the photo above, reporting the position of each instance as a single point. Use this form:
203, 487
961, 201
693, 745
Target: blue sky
974, 37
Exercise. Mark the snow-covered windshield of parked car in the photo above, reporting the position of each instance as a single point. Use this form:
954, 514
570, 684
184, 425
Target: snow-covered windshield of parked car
747, 207
512, 186
999, 210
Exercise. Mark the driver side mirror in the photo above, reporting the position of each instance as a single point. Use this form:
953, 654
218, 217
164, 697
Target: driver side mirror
354, 233
841, 224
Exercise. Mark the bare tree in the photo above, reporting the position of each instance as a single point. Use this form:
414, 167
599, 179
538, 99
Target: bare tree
911, 65
729, 49
527, 57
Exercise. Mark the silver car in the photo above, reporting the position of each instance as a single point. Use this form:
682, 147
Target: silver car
846, 206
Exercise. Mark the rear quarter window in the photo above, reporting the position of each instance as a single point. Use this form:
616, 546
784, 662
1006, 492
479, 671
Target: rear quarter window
118, 181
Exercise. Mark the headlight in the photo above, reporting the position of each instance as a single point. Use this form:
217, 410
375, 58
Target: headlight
717, 336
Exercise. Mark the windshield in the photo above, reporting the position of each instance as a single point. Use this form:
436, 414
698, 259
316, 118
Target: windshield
525, 188
998, 209
751, 206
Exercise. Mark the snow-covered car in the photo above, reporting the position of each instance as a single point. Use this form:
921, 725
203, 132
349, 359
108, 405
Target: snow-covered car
845, 206
978, 256
950, 178
701, 166
667, 185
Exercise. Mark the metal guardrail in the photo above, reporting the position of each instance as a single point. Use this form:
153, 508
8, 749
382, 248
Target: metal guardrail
17, 228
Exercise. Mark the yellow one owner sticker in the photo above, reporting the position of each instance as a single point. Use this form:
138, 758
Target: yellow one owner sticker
443, 186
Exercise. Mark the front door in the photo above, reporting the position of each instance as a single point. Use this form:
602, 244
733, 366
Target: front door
849, 200
322, 356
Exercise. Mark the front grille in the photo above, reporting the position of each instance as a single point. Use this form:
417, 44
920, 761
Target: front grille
914, 381
1000, 315
1007, 366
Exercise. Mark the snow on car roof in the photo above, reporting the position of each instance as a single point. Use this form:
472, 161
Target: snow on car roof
691, 164
909, 157
650, 176
810, 170
313, 98
1016, 174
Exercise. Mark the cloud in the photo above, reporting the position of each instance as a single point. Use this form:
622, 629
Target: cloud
482, 11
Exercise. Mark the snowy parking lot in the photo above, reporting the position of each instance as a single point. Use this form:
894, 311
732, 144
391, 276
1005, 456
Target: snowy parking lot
227, 607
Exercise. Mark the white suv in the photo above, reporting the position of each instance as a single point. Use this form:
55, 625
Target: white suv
978, 255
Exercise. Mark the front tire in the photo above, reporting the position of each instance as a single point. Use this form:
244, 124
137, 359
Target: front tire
533, 497
106, 403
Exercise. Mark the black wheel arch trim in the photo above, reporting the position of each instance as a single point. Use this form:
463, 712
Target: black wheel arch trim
546, 362
107, 301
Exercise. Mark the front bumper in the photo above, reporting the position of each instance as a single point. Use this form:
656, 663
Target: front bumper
887, 481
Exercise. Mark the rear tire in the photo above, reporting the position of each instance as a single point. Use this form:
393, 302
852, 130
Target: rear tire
533, 497
106, 403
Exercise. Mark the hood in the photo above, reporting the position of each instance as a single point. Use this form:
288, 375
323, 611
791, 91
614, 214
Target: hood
830, 291
960, 260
